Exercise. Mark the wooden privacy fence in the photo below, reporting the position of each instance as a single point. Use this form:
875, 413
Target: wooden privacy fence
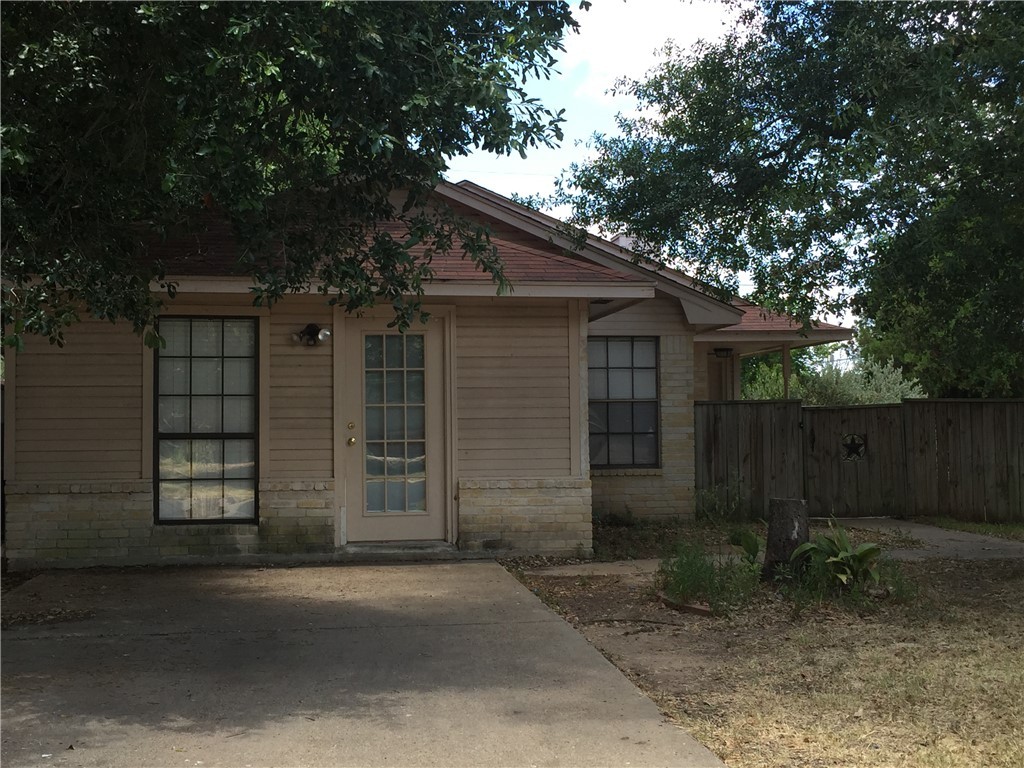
956, 458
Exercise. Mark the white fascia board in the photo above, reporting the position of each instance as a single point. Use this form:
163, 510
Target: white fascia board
700, 309
810, 336
617, 290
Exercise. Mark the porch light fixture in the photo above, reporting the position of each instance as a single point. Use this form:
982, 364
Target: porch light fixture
723, 352
311, 335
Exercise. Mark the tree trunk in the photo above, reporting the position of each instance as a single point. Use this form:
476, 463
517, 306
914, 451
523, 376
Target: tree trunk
787, 530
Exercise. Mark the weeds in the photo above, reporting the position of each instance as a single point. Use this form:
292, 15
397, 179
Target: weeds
720, 504
692, 576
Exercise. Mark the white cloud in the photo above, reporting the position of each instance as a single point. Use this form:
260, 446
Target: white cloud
616, 39
620, 39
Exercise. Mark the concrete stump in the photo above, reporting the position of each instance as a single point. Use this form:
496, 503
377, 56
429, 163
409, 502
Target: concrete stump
787, 530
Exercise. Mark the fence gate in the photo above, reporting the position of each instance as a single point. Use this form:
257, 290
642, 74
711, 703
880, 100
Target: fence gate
854, 461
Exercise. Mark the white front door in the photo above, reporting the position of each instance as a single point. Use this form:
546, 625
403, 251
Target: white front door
393, 432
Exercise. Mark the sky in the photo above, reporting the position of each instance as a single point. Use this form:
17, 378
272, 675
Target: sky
616, 39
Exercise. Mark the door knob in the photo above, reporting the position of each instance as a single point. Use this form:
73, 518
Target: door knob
351, 441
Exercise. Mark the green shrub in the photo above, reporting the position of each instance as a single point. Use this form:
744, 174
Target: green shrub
692, 576
833, 556
751, 544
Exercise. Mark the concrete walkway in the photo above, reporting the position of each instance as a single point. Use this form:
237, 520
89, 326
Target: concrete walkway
939, 542
416, 665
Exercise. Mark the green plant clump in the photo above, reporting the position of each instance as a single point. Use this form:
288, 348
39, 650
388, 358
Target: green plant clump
835, 556
693, 576
751, 544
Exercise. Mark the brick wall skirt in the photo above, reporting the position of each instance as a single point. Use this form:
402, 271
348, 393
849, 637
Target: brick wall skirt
111, 523
550, 516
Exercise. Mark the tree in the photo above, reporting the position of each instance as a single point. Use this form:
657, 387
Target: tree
303, 125
818, 380
868, 382
761, 375
832, 149
946, 298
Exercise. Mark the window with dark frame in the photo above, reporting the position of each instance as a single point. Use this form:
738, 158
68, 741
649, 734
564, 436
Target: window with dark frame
206, 406
623, 385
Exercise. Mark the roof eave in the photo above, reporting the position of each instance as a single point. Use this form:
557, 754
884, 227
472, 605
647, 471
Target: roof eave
700, 309
811, 335
619, 289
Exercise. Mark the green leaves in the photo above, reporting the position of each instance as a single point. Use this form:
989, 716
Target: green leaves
834, 553
306, 129
810, 143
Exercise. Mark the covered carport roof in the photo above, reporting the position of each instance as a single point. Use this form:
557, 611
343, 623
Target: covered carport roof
760, 331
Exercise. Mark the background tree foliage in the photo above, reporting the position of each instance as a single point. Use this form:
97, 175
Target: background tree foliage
302, 124
818, 380
835, 149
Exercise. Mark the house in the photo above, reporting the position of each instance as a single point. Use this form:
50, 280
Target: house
502, 423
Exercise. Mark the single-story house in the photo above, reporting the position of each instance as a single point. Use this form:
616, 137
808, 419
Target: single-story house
503, 423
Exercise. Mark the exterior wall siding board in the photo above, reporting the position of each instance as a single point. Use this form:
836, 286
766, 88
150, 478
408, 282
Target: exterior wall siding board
654, 317
64, 435
70, 506
512, 364
301, 397
79, 495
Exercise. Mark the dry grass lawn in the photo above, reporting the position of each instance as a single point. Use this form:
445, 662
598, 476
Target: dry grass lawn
939, 682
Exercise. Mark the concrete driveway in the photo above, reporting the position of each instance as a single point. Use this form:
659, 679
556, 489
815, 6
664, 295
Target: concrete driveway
406, 665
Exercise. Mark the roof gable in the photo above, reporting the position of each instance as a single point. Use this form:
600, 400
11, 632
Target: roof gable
211, 251
701, 309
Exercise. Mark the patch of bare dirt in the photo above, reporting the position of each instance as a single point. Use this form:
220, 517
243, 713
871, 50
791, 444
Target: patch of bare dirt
12, 580
937, 682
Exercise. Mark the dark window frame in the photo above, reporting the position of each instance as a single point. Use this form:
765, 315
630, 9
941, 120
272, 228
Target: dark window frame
158, 436
656, 401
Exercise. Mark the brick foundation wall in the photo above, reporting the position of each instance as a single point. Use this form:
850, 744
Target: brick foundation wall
668, 491
550, 515
111, 523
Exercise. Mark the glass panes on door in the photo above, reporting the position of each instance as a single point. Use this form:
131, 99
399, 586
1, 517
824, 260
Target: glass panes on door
206, 420
395, 418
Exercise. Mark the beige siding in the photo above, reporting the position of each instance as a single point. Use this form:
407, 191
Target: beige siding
655, 317
512, 382
301, 394
79, 408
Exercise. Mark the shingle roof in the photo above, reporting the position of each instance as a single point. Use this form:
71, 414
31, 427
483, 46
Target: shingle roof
212, 251
759, 319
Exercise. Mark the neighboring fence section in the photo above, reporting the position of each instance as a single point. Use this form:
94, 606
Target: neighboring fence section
957, 458
759, 457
